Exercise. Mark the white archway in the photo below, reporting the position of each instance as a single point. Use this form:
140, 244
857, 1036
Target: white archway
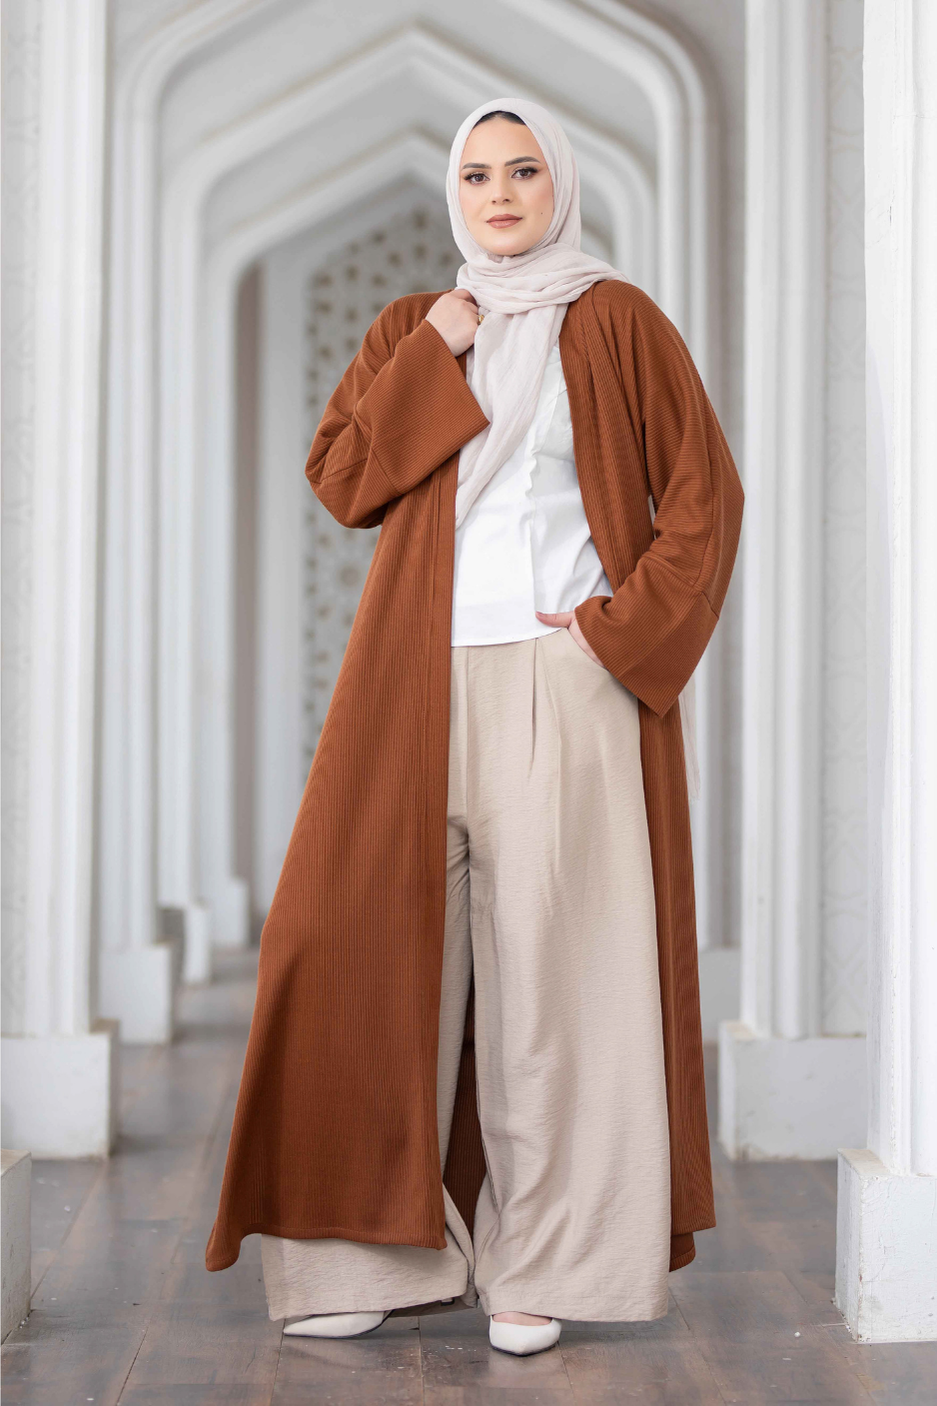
681, 207
199, 362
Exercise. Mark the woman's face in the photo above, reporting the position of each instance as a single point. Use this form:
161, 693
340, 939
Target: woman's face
505, 188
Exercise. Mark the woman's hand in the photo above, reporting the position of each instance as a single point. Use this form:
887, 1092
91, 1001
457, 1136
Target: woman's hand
568, 619
455, 317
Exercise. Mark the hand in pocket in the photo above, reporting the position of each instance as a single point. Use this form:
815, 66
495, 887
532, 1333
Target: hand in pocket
567, 618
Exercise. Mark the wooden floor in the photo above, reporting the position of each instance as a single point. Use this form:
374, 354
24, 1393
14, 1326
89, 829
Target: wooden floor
124, 1311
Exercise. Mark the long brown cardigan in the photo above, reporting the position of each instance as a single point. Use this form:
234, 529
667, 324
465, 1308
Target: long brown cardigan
335, 1129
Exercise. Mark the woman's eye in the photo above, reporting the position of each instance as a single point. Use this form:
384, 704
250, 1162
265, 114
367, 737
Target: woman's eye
476, 177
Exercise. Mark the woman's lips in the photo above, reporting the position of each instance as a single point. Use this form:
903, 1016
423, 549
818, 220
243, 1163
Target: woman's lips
502, 221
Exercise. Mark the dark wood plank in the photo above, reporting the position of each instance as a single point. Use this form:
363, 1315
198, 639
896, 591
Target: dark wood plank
193, 1343
608, 1367
816, 1287
227, 1394
758, 1338
741, 1305
894, 1374
779, 1368
457, 1353
496, 1396
383, 1365
827, 1173
118, 1269
731, 1245
774, 1190
69, 1354
806, 1251
58, 1192
126, 1313
241, 1287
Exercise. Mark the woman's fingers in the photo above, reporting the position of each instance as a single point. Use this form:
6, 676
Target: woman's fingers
566, 619
455, 317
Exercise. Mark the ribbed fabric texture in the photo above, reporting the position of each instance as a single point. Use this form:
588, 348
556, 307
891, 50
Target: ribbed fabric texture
335, 1126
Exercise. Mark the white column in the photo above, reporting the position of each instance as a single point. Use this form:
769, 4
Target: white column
58, 1060
281, 510
886, 1278
785, 1089
214, 366
137, 968
718, 962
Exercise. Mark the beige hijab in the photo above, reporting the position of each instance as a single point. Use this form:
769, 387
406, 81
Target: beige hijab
524, 298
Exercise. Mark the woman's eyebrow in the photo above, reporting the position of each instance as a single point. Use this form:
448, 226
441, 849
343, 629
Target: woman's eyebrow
483, 165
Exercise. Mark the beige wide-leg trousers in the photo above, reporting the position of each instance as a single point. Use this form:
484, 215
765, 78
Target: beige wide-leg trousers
550, 898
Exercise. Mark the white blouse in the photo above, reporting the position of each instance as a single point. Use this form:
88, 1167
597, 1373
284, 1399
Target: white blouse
525, 544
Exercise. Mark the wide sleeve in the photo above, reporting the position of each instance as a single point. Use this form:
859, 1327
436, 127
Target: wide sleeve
402, 408
652, 632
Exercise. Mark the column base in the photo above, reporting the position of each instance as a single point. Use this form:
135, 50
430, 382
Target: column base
231, 914
886, 1251
789, 1098
60, 1092
196, 944
718, 988
191, 928
138, 988
15, 1253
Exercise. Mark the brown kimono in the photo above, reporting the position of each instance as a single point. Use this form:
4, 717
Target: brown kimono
335, 1128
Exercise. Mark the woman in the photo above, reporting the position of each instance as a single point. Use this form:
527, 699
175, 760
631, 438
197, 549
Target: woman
474, 1071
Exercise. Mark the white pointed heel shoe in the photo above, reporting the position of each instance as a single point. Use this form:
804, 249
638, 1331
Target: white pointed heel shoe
523, 1338
336, 1325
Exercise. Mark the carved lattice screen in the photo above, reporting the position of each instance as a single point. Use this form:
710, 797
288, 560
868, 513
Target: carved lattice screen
412, 253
